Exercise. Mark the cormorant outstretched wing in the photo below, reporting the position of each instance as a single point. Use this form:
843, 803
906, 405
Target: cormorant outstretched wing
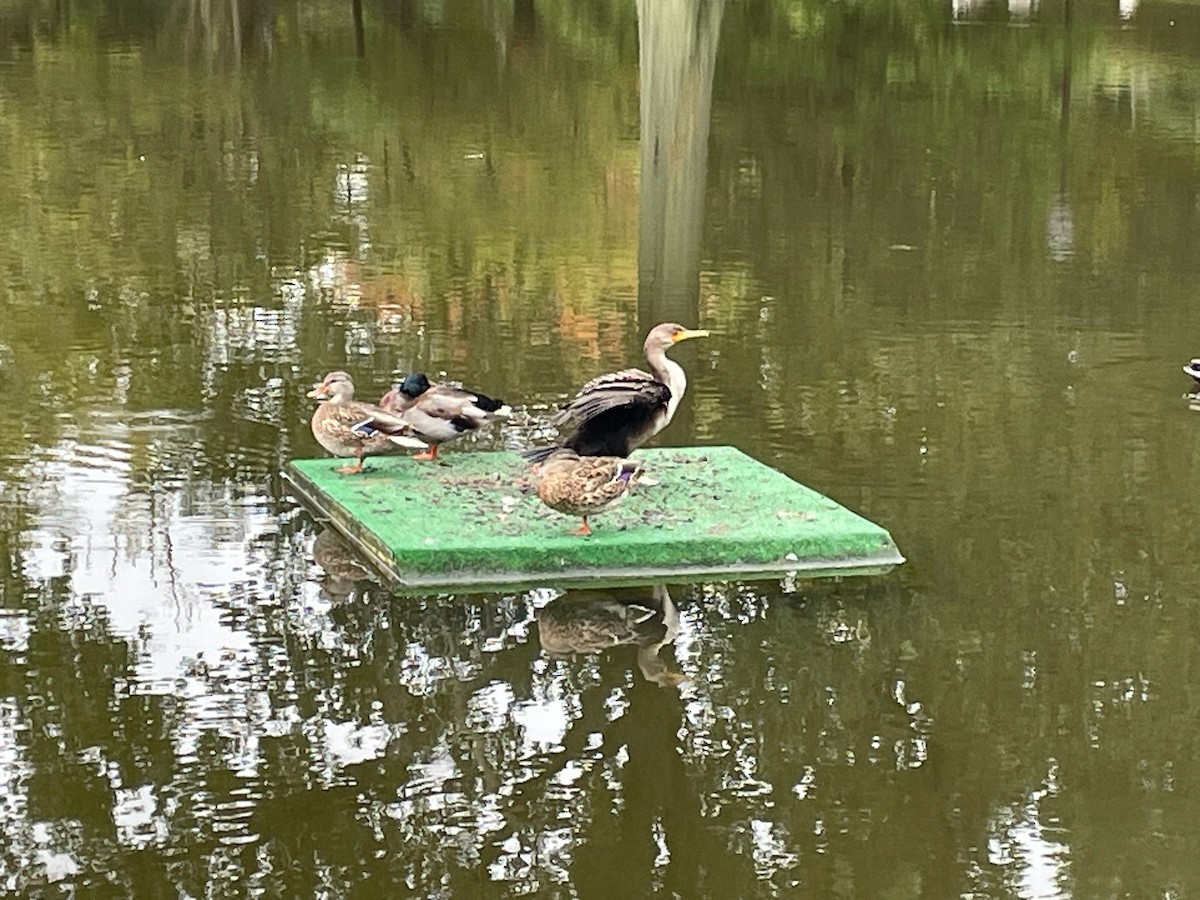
613, 415
637, 394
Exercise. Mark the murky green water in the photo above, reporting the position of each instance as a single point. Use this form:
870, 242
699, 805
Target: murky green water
950, 254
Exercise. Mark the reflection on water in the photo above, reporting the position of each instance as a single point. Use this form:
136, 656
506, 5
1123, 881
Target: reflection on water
949, 272
677, 55
594, 621
1023, 11
342, 567
1022, 841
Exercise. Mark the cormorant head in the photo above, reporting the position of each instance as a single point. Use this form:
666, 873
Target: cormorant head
667, 335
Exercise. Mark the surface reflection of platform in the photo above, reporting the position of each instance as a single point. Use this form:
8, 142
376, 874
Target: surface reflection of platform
714, 513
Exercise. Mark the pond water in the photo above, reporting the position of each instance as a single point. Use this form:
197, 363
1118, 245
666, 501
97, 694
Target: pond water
948, 253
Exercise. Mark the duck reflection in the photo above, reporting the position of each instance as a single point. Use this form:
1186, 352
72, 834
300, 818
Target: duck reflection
343, 567
590, 621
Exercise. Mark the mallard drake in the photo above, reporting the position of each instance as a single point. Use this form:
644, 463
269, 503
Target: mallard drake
348, 427
439, 413
1193, 369
584, 485
589, 621
614, 414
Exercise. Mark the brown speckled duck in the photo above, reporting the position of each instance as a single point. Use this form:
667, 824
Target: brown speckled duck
348, 427
584, 485
440, 413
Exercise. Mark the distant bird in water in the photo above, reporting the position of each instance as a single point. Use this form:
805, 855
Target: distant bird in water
584, 485
440, 413
614, 414
348, 427
1193, 369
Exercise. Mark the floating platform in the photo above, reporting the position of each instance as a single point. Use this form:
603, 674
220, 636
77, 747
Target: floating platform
474, 521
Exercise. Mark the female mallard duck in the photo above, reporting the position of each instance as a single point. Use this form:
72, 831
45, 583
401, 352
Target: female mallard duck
589, 621
584, 485
441, 412
348, 427
615, 414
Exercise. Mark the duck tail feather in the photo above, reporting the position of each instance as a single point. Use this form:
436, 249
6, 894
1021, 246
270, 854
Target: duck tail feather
539, 454
408, 442
493, 405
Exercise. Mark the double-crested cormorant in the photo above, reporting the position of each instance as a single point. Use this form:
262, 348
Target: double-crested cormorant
614, 414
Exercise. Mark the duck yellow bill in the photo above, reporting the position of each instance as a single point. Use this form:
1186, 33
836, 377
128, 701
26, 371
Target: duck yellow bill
317, 393
688, 333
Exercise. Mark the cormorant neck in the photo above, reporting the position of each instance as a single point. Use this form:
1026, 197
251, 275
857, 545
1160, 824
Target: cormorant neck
669, 373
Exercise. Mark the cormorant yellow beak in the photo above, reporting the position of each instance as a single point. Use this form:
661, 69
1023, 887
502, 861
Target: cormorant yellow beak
688, 333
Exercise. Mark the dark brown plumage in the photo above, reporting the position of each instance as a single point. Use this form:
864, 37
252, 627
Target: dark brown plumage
616, 413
